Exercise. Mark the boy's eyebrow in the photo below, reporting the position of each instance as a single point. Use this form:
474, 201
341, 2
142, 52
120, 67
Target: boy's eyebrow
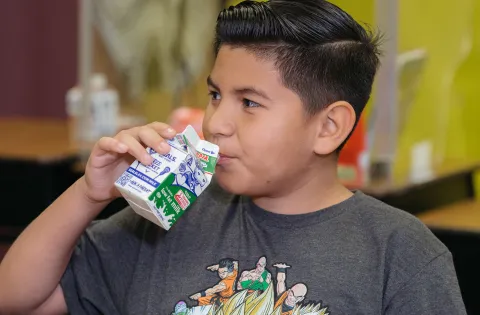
212, 84
252, 90
245, 90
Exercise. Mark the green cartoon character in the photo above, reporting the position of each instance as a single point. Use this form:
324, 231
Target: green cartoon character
256, 279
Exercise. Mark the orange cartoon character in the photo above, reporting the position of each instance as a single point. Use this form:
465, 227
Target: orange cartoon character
227, 270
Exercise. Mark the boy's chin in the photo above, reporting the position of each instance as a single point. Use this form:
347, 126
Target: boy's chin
232, 184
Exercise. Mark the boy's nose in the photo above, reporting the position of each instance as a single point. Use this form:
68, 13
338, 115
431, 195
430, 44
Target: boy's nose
220, 122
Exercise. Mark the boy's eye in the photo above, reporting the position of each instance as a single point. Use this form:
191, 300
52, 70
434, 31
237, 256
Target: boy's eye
214, 96
250, 104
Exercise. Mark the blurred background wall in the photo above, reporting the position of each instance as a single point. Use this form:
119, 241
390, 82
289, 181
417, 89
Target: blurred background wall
38, 56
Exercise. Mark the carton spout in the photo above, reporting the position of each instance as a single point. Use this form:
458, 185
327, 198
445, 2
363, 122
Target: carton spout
205, 153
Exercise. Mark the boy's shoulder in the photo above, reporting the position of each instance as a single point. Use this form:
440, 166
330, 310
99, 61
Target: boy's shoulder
394, 224
407, 244
376, 210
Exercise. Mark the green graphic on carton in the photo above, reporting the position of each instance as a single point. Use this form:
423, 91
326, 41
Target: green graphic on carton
208, 162
171, 200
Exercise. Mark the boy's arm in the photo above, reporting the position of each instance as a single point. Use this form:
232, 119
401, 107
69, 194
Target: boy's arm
31, 271
433, 290
45, 253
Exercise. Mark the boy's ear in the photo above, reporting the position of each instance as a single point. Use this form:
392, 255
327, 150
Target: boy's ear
334, 126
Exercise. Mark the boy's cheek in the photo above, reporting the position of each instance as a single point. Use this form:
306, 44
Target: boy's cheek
229, 182
237, 180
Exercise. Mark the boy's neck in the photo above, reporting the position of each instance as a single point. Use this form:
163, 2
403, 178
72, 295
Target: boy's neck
315, 192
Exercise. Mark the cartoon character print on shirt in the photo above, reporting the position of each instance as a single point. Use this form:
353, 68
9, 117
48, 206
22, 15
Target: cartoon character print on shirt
257, 279
190, 176
253, 291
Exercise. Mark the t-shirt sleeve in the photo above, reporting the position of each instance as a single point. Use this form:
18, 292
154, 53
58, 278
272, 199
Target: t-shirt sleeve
433, 290
102, 264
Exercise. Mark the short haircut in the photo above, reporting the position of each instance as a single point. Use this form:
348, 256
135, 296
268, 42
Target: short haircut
321, 52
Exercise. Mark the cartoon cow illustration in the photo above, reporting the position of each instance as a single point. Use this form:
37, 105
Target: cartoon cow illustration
190, 176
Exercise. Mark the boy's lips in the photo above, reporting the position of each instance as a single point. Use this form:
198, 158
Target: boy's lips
223, 158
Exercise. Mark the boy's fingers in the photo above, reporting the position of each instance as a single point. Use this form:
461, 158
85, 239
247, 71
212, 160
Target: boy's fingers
107, 144
150, 138
163, 129
135, 148
133, 141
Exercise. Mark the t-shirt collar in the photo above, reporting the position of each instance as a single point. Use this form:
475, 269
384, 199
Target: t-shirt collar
299, 220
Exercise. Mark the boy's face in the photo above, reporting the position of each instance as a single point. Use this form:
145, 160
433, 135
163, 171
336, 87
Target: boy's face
266, 142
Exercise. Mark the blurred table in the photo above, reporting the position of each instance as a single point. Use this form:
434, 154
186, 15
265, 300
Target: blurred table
452, 182
39, 140
36, 160
458, 227
462, 216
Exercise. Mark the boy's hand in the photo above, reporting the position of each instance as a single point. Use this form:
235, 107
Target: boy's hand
110, 157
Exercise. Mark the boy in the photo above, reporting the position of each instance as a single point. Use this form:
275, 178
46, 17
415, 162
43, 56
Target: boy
290, 80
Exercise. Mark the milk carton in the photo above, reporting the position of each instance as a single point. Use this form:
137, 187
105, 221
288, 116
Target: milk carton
163, 191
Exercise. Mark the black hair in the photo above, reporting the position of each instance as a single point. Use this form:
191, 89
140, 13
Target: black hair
321, 52
227, 263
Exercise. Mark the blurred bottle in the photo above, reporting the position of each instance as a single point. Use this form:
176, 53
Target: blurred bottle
73, 109
102, 112
104, 107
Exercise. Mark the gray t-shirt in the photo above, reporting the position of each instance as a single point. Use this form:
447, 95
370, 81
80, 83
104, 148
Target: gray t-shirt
357, 257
